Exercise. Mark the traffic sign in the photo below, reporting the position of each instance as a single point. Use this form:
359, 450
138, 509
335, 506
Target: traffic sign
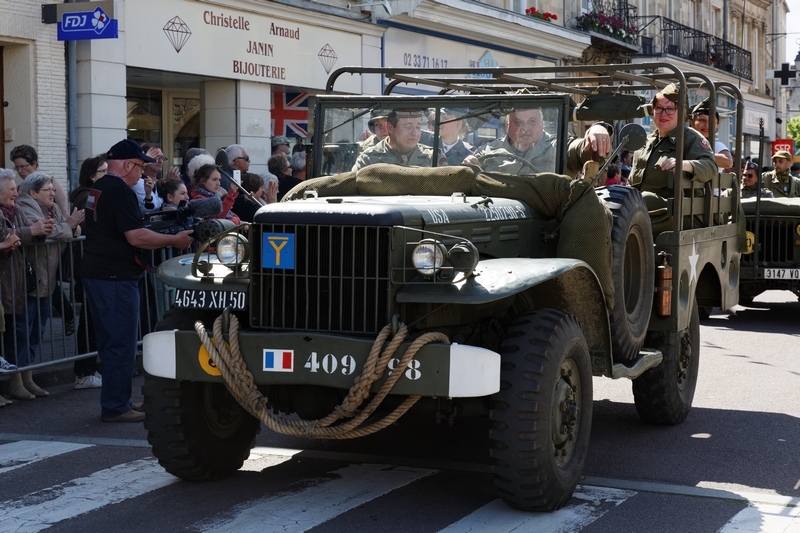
84, 25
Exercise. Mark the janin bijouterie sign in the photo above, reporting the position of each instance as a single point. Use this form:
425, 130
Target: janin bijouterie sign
225, 43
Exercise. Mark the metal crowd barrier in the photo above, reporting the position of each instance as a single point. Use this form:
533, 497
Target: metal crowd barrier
54, 342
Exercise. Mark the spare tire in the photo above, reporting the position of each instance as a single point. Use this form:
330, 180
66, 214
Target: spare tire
633, 270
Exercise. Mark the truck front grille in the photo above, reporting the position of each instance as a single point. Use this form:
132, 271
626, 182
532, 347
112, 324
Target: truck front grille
340, 281
776, 243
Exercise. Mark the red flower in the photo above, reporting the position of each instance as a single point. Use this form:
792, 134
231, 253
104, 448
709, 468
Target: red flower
553, 16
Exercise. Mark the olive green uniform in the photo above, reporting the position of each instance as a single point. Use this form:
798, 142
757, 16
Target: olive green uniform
647, 176
750, 192
368, 143
782, 185
420, 156
541, 155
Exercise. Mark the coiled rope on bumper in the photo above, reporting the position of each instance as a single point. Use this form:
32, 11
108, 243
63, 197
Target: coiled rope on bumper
241, 384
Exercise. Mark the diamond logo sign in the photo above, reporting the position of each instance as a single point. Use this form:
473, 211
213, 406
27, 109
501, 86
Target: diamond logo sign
328, 58
177, 32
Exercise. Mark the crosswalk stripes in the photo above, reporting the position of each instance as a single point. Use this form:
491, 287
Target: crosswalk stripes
300, 511
39, 510
764, 517
22, 453
588, 504
326, 494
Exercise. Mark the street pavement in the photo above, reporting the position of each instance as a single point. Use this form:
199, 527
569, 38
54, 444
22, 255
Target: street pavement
732, 466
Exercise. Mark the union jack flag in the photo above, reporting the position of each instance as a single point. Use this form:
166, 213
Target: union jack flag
290, 114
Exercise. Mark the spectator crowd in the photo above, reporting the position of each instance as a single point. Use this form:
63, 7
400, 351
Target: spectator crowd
46, 272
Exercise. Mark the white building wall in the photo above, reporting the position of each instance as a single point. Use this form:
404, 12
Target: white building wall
35, 85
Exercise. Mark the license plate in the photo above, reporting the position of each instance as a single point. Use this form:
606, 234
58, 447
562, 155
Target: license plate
198, 299
782, 273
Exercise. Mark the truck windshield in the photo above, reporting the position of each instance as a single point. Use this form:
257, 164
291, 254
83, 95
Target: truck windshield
518, 137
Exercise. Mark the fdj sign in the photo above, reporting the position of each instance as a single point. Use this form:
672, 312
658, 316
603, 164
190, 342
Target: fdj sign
82, 25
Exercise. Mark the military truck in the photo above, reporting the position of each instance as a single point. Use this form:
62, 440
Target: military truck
509, 291
771, 260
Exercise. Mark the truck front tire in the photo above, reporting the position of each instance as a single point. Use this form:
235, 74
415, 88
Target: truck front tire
542, 415
197, 430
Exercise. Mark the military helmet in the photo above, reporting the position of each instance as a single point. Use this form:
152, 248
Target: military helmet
374, 115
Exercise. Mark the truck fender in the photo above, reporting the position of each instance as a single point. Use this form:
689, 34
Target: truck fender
569, 285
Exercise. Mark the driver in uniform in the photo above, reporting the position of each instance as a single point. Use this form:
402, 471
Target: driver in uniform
526, 139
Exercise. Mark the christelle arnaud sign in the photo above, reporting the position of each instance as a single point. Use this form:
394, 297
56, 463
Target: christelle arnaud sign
86, 20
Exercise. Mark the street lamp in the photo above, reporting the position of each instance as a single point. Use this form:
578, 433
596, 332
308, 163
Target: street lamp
797, 61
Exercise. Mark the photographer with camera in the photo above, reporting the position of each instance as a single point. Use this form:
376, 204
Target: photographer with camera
115, 235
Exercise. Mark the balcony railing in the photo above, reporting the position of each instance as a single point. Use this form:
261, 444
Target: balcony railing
613, 18
664, 36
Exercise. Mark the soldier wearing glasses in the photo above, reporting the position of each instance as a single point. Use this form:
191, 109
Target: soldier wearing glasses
750, 183
653, 162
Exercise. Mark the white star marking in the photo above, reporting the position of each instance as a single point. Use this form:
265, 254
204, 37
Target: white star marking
693, 263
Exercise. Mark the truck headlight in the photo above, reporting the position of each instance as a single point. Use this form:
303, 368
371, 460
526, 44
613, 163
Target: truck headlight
428, 257
232, 250
464, 257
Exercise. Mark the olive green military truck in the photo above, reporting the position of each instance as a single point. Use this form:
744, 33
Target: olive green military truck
772, 258
454, 290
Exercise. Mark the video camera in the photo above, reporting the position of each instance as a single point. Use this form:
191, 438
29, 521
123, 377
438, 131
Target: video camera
185, 217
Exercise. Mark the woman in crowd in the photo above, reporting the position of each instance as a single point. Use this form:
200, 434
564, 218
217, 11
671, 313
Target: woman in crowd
186, 177
9, 242
36, 201
207, 184
202, 158
86, 374
173, 192
26, 162
254, 184
12, 281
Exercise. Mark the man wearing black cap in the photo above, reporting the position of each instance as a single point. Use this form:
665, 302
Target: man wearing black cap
401, 146
699, 121
750, 183
110, 270
378, 128
780, 181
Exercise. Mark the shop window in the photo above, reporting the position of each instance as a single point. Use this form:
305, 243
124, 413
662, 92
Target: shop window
144, 115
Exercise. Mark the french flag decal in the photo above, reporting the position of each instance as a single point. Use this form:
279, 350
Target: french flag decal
279, 360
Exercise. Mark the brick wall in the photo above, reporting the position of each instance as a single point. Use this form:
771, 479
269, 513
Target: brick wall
40, 118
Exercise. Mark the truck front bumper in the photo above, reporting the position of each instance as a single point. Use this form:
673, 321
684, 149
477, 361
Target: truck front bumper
438, 370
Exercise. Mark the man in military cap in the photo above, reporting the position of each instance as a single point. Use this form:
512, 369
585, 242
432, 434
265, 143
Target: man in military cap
401, 146
378, 127
280, 145
750, 183
653, 162
780, 181
526, 139
699, 121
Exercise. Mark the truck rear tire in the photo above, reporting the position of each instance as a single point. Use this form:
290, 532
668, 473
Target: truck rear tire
197, 430
542, 415
664, 394
633, 270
